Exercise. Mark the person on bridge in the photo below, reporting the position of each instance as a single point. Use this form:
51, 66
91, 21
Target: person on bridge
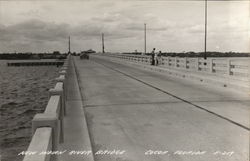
152, 57
159, 59
156, 58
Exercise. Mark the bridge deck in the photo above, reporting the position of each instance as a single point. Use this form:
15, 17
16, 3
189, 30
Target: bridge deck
131, 109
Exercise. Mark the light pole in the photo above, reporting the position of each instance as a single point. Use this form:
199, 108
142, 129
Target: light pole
205, 45
69, 46
145, 38
103, 51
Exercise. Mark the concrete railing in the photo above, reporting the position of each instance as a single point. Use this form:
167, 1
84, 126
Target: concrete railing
47, 127
238, 67
226, 66
36, 145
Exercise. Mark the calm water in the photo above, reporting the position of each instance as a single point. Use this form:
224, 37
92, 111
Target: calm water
23, 93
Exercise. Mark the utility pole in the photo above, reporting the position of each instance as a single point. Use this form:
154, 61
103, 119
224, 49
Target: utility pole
103, 51
69, 46
205, 45
145, 38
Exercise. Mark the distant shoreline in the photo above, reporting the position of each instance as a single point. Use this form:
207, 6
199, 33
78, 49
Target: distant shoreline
27, 56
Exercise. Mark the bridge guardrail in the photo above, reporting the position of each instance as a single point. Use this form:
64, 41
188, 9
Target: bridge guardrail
45, 134
236, 68
47, 127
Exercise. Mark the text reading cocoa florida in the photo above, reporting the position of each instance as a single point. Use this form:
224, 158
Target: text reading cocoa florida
193, 153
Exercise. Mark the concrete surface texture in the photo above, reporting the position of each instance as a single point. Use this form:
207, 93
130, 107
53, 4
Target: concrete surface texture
149, 116
76, 136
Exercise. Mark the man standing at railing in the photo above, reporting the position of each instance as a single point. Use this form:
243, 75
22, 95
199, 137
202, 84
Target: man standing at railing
156, 58
153, 57
159, 60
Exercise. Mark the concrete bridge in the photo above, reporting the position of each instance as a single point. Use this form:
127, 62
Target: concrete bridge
119, 108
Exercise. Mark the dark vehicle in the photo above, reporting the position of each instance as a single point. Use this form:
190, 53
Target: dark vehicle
84, 56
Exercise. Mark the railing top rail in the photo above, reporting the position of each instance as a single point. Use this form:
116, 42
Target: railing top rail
59, 86
62, 77
53, 105
41, 141
131, 55
141, 56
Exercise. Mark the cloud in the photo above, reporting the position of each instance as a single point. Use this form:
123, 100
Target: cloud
108, 17
31, 12
35, 30
196, 29
32, 33
170, 25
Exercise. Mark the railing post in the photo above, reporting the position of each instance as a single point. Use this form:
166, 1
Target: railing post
63, 72
211, 66
64, 68
66, 63
53, 92
185, 63
176, 62
229, 66
62, 79
168, 61
197, 64
59, 92
48, 120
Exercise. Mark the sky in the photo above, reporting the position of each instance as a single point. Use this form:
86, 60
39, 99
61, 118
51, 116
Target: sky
172, 26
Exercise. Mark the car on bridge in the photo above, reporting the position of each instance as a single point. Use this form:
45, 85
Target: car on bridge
84, 56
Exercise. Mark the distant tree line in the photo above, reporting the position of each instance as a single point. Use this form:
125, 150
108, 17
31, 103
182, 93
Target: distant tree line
16, 56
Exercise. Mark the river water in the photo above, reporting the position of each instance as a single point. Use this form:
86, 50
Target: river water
23, 93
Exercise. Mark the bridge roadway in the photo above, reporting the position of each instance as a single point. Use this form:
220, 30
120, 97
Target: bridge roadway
136, 110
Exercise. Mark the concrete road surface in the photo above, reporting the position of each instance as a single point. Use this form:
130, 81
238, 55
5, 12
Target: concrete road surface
138, 115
